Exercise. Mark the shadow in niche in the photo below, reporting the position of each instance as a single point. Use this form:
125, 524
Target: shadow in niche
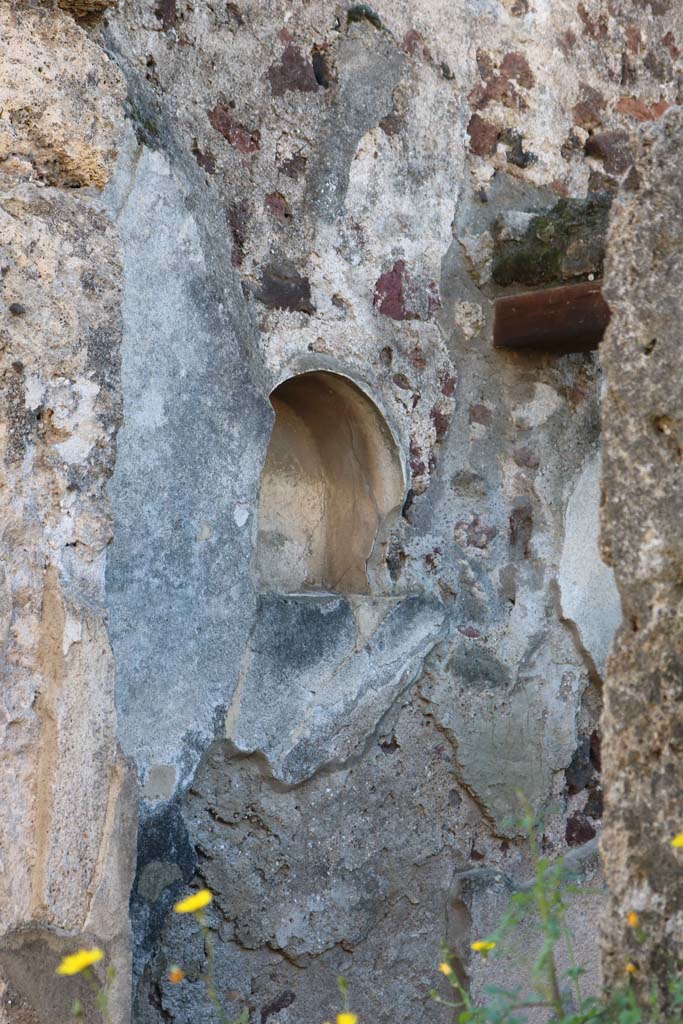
331, 485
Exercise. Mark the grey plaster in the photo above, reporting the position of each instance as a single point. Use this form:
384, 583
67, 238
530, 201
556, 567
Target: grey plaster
337, 760
314, 687
369, 72
510, 733
180, 603
589, 592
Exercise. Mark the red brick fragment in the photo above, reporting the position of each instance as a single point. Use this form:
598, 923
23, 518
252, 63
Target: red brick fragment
526, 458
477, 533
639, 110
669, 41
417, 466
498, 90
587, 113
483, 136
441, 421
579, 830
634, 40
515, 65
659, 109
166, 13
293, 73
417, 358
238, 219
567, 41
521, 527
480, 413
390, 297
279, 207
282, 287
294, 167
245, 141
595, 28
448, 382
612, 148
633, 108
568, 318
470, 632
414, 45
499, 82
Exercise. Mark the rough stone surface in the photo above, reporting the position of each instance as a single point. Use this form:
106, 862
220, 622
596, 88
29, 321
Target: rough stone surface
317, 188
68, 822
61, 100
329, 764
322, 689
85, 8
566, 243
643, 541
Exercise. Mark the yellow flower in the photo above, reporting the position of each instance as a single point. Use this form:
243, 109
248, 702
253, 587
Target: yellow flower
347, 1018
631, 969
632, 919
176, 974
78, 962
445, 969
193, 903
677, 841
483, 946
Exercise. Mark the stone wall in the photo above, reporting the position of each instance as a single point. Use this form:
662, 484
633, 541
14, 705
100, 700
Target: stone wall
310, 189
339, 188
67, 828
642, 539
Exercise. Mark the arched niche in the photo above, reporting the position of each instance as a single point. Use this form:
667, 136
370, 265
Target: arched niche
330, 484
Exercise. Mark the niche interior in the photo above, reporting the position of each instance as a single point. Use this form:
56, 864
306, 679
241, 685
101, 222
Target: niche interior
331, 484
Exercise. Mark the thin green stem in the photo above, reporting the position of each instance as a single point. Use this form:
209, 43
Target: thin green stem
101, 994
542, 1004
446, 1002
545, 913
462, 991
210, 977
555, 995
344, 991
572, 961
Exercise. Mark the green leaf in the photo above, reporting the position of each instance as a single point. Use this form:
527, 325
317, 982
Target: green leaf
575, 972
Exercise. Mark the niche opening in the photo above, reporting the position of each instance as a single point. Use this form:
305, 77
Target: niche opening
331, 484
